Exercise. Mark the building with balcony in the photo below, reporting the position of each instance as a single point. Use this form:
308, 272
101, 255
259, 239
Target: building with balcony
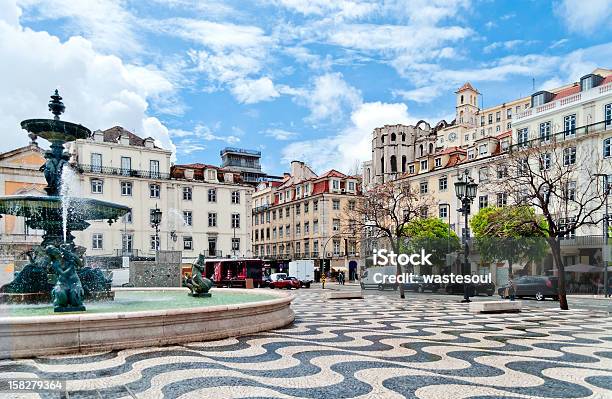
302, 217
245, 162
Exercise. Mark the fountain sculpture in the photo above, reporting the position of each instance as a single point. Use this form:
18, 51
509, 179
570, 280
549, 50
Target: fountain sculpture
197, 283
58, 215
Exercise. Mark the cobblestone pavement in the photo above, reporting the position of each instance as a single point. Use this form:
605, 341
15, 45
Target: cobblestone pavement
378, 347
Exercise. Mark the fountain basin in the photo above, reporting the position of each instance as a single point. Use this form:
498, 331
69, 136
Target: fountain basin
29, 336
54, 129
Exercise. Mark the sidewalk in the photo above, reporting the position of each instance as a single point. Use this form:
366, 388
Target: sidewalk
588, 296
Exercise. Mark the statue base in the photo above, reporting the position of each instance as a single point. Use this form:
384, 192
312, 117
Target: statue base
201, 295
61, 309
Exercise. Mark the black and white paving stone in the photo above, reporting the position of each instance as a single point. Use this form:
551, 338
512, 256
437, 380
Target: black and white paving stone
378, 347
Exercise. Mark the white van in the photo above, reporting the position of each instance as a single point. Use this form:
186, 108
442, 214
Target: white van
367, 278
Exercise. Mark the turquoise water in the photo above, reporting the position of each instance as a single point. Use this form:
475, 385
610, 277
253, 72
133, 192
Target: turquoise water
132, 301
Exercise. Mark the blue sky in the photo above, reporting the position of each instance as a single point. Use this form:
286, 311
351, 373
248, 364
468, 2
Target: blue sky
297, 79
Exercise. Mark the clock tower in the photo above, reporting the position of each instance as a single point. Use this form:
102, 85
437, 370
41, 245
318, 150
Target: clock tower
467, 105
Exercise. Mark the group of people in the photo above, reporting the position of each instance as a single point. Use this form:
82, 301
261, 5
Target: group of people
341, 278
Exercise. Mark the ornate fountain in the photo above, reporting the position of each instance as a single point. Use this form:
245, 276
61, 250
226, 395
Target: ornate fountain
58, 215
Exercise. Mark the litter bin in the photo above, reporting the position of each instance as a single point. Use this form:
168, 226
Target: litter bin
249, 283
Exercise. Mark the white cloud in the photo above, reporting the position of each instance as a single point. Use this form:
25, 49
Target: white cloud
106, 23
352, 144
507, 45
585, 16
281, 134
329, 97
99, 91
10, 12
249, 91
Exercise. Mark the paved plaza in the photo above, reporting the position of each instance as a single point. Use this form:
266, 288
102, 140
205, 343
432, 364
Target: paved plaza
378, 347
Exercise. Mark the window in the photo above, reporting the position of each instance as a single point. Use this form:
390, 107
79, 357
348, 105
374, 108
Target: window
443, 211
497, 116
126, 188
509, 113
351, 205
287, 230
336, 184
212, 220
97, 240
280, 232
236, 244
315, 206
570, 191
97, 186
423, 187
154, 169
297, 209
502, 199
568, 225
482, 120
336, 205
274, 233
212, 195
502, 172
608, 115
483, 174
545, 161
569, 156
411, 169
470, 154
351, 186
235, 220
268, 217
438, 162
523, 136
523, 167
306, 207
154, 190
483, 201
298, 229
274, 214
315, 248
424, 212
443, 183
306, 227
504, 145
569, 125
154, 241
126, 166
96, 162
187, 243
336, 247
483, 149
315, 226
424, 165
187, 193
188, 218
287, 211
235, 197
545, 131
336, 224
490, 118
607, 147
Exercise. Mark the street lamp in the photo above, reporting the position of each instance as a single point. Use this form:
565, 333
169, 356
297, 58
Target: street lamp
606, 223
465, 190
156, 216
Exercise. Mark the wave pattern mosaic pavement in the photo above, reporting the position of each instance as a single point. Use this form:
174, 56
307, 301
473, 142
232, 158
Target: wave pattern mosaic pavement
378, 347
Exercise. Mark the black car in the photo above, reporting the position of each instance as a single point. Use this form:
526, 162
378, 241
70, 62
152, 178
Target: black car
473, 289
539, 287
418, 284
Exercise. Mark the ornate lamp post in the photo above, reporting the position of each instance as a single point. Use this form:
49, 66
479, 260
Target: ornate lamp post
156, 217
606, 224
465, 190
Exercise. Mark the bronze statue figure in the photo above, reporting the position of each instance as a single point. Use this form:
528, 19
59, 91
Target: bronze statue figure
198, 283
68, 292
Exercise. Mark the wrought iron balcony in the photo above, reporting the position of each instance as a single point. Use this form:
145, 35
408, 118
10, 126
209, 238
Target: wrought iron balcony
106, 170
560, 137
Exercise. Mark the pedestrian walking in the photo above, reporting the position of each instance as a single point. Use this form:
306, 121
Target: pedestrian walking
511, 288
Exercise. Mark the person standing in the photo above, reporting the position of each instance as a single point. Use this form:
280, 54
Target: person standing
511, 288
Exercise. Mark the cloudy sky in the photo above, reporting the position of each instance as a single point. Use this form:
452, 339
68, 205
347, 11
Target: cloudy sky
297, 79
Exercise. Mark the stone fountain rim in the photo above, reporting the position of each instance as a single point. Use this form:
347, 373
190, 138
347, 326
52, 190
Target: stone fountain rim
282, 298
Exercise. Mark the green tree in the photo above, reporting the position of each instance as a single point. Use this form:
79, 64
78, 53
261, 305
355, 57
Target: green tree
434, 236
508, 234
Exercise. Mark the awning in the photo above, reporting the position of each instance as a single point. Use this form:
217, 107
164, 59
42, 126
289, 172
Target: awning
583, 268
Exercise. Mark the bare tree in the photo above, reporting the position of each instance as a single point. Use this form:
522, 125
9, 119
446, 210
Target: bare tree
558, 177
383, 213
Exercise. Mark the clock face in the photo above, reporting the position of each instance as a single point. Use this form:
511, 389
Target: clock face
452, 136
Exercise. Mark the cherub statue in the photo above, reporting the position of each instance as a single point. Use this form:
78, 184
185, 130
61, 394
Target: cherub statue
197, 283
68, 292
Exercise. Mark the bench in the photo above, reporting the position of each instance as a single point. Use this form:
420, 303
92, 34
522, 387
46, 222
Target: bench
342, 294
496, 306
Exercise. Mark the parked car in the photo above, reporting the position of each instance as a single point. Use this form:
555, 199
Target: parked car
281, 280
418, 284
475, 289
539, 287
265, 281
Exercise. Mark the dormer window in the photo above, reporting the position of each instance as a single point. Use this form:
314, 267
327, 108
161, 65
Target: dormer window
540, 98
589, 81
438, 162
336, 184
